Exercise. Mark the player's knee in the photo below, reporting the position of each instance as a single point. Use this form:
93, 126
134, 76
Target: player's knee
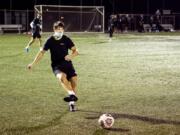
32, 41
74, 86
73, 81
61, 77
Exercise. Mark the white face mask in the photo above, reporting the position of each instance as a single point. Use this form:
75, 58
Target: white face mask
58, 35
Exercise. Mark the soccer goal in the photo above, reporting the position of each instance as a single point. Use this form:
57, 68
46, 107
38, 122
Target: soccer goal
76, 18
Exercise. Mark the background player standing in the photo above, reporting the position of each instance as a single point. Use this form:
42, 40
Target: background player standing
36, 31
111, 27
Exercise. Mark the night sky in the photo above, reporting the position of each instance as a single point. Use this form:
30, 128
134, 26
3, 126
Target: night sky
111, 6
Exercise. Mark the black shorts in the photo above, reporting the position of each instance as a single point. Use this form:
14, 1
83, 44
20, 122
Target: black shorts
36, 35
65, 67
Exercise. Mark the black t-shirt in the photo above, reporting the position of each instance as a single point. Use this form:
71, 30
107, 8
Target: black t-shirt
58, 48
36, 25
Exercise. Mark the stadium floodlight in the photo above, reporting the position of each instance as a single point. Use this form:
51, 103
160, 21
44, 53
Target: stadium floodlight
76, 18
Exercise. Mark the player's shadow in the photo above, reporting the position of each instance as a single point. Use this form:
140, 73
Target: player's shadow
133, 117
105, 131
92, 115
118, 129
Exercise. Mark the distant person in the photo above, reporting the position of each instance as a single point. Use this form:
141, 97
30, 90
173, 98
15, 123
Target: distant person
36, 31
151, 21
61, 63
158, 13
111, 27
119, 23
158, 21
126, 22
132, 22
140, 24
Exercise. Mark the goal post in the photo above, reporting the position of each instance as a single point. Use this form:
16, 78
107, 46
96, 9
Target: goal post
76, 18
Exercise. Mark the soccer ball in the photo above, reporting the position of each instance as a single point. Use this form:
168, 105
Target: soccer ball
106, 121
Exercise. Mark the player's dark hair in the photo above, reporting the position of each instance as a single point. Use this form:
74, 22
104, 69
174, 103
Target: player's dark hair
58, 24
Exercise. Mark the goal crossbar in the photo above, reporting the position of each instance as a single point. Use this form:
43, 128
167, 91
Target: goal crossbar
65, 6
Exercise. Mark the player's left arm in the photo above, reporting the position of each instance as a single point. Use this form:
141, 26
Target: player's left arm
38, 57
74, 53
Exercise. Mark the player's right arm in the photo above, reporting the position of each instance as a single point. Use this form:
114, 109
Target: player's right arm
40, 54
32, 24
36, 59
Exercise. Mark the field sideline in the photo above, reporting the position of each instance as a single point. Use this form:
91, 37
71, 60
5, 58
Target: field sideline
136, 78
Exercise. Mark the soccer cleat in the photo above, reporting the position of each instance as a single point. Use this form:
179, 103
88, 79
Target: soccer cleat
70, 98
67, 99
72, 108
27, 49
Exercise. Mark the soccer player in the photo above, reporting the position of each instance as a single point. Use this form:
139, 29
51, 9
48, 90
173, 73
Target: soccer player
36, 30
61, 63
111, 27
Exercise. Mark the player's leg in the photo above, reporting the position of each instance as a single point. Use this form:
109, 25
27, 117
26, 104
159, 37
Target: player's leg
30, 43
73, 82
62, 77
72, 77
40, 40
40, 43
110, 34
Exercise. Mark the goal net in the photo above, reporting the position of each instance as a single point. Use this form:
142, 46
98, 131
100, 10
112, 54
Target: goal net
76, 18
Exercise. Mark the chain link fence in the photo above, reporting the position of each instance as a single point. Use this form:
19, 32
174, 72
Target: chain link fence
24, 17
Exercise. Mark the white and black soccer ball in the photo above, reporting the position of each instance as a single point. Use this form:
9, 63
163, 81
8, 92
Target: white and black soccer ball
106, 121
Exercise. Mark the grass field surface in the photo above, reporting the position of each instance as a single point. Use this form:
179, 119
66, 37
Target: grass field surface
136, 78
